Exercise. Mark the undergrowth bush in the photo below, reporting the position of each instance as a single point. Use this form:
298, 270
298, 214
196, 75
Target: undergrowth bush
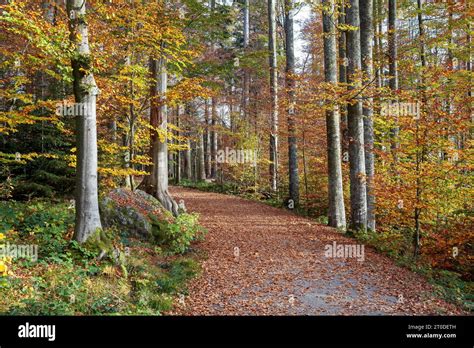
178, 236
108, 274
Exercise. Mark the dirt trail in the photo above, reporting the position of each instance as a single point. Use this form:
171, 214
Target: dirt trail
282, 269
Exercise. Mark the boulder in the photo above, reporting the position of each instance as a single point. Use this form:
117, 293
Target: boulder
132, 211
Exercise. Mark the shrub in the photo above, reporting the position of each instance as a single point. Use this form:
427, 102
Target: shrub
179, 235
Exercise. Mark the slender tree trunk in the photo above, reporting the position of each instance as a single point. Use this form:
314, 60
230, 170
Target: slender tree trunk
129, 180
392, 45
246, 23
213, 139
272, 47
246, 83
207, 142
178, 152
336, 211
469, 65
377, 53
202, 162
421, 38
85, 92
366, 43
356, 124
343, 75
194, 158
290, 85
305, 172
188, 159
393, 66
419, 154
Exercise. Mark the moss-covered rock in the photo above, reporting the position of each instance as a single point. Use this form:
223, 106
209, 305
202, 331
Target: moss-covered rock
132, 212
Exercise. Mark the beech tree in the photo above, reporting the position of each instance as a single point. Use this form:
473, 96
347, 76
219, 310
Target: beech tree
159, 111
246, 82
272, 50
358, 191
366, 43
393, 64
290, 85
85, 92
336, 210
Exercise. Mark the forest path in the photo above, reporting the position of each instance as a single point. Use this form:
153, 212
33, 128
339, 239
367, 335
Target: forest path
282, 268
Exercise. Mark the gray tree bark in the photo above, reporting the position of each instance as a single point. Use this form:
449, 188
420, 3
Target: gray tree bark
366, 44
393, 65
392, 45
294, 184
85, 92
336, 211
188, 161
419, 153
213, 139
207, 142
356, 124
272, 48
246, 23
149, 182
246, 82
343, 76
178, 153
202, 162
161, 154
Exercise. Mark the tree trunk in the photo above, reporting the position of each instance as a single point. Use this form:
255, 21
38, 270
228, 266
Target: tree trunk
213, 139
178, 152
202, 162
85, 92
188, 161
149, 182
159, 113
392, 45
343, 78
366, 44
246, 82
290, 84
207, 142
161, 164
336, 211
419, 154
393, 66
272, 47
356, 125
246, 23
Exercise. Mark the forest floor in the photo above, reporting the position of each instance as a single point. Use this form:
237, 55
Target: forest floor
280, 267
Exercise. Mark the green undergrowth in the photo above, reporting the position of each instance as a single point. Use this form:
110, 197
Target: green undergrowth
111, 274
